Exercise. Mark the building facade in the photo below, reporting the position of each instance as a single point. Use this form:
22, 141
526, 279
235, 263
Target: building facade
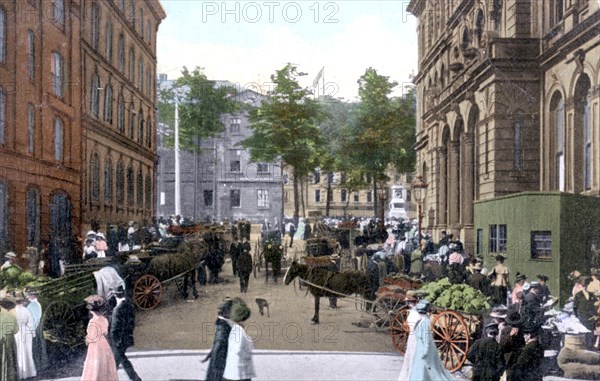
509, 97
221, 182
49, 53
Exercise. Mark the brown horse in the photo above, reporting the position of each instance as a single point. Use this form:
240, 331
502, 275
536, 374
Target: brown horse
346, 283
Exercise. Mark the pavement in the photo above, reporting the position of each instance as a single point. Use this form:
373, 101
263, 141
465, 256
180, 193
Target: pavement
276, 366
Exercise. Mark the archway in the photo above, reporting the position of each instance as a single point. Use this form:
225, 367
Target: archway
582, 136
60, 231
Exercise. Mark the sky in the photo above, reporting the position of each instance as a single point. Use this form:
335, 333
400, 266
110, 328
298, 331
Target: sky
245, 42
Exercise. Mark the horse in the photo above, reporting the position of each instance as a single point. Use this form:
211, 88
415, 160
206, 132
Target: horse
346, 283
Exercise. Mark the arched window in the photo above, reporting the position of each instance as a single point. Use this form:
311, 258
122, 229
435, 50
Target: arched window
466, 39
4, 244
148, 192
121, 48
149, 130
2, 35
2, 115
33, 217
557, 107
582, 135
518, 140
140, 189
59, 12
31, 55
131, 121
95, 25
108, 104
141, 128
109, 40
142, 22
95, 179
479, 25
122, 5
58, 139
141, 74
30, 128
108, 181
58, 77
130, 185
131, 65
587, 130
132, 12
120, 183
95, 94
121, 114
442, 76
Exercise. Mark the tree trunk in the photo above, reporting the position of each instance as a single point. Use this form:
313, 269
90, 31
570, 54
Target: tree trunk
375, 199
296, 200
302, 189
329, 194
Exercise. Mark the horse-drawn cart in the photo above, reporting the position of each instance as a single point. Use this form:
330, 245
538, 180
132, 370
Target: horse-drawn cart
453, 333
390, 298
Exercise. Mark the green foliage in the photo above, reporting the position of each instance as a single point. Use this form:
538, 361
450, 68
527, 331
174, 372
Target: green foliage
459, 297
201, 104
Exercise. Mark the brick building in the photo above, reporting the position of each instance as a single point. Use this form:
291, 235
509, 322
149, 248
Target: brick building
52, 125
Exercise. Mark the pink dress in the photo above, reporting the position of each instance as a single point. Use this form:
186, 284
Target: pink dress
100, 360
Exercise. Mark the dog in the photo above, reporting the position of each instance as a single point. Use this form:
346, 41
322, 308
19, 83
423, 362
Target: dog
262, 304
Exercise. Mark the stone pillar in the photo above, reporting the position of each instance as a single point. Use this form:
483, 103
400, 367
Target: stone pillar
442, 210
467, 181
453, 184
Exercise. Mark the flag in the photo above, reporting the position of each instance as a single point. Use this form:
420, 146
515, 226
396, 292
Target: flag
318, 77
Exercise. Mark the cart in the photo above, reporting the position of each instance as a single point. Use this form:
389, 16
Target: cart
453, 333
390, 298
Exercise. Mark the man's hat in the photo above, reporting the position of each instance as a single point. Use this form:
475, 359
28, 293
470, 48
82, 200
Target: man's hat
10, 254
535, 284
120, 290
492, 328
423, 306
574, 275
543, 277
514, 319
500, 257
6, 297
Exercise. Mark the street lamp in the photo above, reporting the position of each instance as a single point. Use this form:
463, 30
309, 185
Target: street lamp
419, 191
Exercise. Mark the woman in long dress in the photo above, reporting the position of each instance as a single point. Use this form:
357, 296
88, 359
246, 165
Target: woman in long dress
100, 361
8, 328
411, 343
24, 339
426, 364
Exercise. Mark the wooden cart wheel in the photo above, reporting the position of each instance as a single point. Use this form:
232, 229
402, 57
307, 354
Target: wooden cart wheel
147, 292
384, 309
399, 329
451, 335
61, 324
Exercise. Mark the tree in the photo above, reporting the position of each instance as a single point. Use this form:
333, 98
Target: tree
383, 135
202, 102
286, 126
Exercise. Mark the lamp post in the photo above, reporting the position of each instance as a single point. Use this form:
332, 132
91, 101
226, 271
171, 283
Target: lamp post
419, 191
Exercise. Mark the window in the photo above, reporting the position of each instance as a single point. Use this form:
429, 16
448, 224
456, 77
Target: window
121, 114
356, 197
121, 48
317, 177
235, 199
130, 186
59, 12
95, 179
262, 168
148, 81
58, 139
234, 166
587, 135
95, 26
263, 198
234, 125
108, 181
2, 114
559, 121
497, 238
120, 183
131, 121
140, 189
141, 74
108, 109
148, 192
141, 128
31, 55
518, 144
95, 94
479, 243
141, 22
369, 196
557, 12
33, 217
317, 195
479, 25
208, 197
149, 130
4, 245
132, 12
149, 32
109, 41
30, 128
131, 65
122, 5
541, 245
343, 195
57, 74
2, 35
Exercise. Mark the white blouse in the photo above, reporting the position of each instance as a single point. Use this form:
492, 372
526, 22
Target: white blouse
239, 364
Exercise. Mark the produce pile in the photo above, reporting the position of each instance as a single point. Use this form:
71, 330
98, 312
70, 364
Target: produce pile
458, 297
14, 278
189, 255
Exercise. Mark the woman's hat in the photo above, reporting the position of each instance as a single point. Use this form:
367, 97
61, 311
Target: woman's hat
500, 257
423, 306
5, 296
543, 277
10, 254
30, 291
95, 301
498, 315
19, 296
239, 310
520, 277
574, 275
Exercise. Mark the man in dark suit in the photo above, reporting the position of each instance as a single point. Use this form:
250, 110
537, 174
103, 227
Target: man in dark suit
487, 357
121, 331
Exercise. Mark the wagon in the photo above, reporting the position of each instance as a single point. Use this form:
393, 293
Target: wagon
453, 333
390, 298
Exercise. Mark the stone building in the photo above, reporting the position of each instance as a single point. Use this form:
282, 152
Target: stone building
53, 126
508, 103
221, 182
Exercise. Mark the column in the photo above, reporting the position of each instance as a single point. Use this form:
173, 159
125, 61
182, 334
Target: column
467, 181
442, 170
453, 184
